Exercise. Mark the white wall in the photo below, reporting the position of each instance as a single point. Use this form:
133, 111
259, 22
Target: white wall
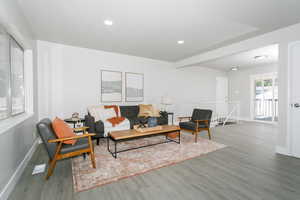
69, 79
194, 87
282, 37
16, 142
239, 86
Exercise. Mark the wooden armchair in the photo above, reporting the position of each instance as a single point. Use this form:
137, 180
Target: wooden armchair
199, 121
57, 150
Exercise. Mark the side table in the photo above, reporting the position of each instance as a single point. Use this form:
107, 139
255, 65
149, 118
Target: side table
172, 114
74, 121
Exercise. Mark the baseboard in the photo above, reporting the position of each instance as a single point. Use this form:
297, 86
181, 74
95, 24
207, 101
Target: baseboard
282, 150
4, 194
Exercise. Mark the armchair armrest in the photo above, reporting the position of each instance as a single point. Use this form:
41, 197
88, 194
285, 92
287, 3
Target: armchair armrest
182, 118
71, 138
201, 120
206, 121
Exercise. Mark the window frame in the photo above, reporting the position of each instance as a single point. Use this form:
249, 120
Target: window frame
11, 74
10, 70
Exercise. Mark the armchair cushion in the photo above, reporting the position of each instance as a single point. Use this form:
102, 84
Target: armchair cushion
46, 133
62, 130
191, 125
80, 144
201, 114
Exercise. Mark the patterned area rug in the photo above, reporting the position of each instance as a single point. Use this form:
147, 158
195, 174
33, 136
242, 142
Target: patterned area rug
137, 161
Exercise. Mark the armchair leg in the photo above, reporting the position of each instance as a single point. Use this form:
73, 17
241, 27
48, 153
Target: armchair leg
92, 155
51, 168
209, 135
98, 140
53, 161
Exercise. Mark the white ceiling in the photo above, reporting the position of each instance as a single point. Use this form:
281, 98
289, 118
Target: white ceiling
150, 28
245, 59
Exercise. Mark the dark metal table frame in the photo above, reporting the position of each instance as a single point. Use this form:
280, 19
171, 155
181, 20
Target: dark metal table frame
167, 140
74, 122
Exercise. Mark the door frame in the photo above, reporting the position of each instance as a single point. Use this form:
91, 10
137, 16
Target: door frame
289, 135
226, 100
252, 79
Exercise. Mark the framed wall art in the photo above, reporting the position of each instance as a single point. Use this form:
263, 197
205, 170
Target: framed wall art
134, 85
111, 86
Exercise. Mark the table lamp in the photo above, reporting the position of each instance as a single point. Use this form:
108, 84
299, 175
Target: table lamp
165, 101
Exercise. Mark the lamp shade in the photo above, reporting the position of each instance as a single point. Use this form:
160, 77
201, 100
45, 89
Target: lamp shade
166, 101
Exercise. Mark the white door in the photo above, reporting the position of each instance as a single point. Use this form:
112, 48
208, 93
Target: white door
294, 89
222, 96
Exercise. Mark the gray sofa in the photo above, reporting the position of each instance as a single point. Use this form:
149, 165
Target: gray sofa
129, 112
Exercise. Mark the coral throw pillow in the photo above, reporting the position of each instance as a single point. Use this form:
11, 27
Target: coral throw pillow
62, 130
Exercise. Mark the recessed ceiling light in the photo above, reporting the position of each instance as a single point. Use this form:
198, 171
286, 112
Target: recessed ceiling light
260, 57
180, 41
234, 68
108, 22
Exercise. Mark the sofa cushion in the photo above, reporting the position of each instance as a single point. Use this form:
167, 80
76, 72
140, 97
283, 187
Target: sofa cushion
129, 112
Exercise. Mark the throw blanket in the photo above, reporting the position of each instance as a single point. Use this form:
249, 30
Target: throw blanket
115, 120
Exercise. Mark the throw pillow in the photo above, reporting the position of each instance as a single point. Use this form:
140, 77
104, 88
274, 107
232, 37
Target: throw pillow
115, 107
148, 110
96, 112
109, 113
63, 130
145, 110
155, 112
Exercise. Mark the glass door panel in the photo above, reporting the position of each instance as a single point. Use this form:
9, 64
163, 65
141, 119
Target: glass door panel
266, 99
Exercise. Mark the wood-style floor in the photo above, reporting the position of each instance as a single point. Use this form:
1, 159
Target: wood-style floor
247, 169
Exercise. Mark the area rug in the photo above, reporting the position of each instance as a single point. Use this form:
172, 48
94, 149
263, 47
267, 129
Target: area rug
138, 161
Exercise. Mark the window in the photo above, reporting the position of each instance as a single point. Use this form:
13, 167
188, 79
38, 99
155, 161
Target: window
4, 75
12, 95
17, 78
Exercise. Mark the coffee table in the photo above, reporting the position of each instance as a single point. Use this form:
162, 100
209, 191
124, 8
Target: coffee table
125, 135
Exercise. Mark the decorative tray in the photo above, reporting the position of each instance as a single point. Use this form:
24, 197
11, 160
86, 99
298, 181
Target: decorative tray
148, 129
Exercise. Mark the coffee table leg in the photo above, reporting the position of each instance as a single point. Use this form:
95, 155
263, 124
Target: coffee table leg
108, 144
179, 136
115, 154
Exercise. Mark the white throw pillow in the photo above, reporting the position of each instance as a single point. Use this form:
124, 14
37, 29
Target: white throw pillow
96, 111
108, 113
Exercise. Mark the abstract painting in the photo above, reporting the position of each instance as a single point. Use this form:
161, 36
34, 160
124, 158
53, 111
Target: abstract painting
134, 87
111, 86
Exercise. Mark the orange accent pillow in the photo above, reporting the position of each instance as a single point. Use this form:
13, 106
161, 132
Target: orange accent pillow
62, 130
